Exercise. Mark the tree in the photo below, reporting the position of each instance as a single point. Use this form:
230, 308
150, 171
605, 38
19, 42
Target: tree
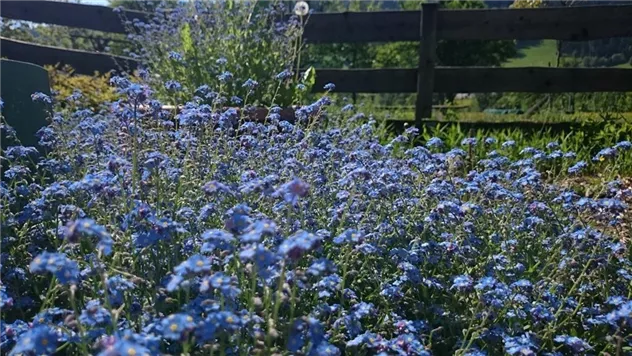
405, 54
449, 53
342, 55
617, 58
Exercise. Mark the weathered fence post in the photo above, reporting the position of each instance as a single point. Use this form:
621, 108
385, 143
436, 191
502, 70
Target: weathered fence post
18, 81
427, 59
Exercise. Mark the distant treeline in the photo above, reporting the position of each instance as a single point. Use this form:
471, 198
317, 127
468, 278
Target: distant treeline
601, 53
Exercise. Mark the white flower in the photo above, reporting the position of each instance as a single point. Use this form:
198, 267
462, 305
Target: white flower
301, 8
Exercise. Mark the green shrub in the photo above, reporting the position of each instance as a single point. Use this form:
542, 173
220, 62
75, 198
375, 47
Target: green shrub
96, 89
198, 43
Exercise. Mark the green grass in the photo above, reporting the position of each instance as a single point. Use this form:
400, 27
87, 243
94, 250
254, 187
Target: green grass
544, 117
624, 66
541, 55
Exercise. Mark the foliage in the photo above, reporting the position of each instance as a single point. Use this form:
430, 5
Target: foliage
51, 35
343, 55
606, 52
449, 53
132, 236
527, 4
143, 231
607, 102
600, 53
585, 142
404, 54
65, 37
219, 45
95, 90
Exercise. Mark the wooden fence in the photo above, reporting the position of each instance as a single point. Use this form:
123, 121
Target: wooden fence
426, 26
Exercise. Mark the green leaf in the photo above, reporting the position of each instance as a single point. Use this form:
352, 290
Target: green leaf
309, 78
187, 40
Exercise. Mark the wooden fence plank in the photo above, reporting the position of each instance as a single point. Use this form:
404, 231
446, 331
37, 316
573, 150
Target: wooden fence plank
396, 80
562, 23
427, 61
574, 23
81, 61
532, 79
479, 80
383, 26
92, 17
447, 79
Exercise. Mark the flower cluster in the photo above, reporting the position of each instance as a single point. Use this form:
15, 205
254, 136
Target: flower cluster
220, 44
135, 236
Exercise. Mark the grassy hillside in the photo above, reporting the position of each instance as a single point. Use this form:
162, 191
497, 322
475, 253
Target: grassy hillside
540, 55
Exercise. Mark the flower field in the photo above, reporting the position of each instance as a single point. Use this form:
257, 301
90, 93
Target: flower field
134, 230
230, 237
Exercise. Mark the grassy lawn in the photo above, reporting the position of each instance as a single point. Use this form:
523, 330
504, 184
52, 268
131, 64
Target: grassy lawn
541, 55
544, 117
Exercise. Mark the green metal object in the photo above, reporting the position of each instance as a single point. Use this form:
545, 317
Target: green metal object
18, 81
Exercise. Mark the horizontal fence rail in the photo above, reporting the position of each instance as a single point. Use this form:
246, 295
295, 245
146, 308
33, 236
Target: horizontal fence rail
479, 80
562, 23
83, 62
427, 26
90, 17
572, 24
556, 23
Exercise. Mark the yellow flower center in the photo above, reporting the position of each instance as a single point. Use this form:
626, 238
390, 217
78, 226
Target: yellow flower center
44, 341
131, 351
199, 263
173, 327
229, 320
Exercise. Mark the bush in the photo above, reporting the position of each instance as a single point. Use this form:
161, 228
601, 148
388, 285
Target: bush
95, 90
231, 237
617, 58
223, 45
